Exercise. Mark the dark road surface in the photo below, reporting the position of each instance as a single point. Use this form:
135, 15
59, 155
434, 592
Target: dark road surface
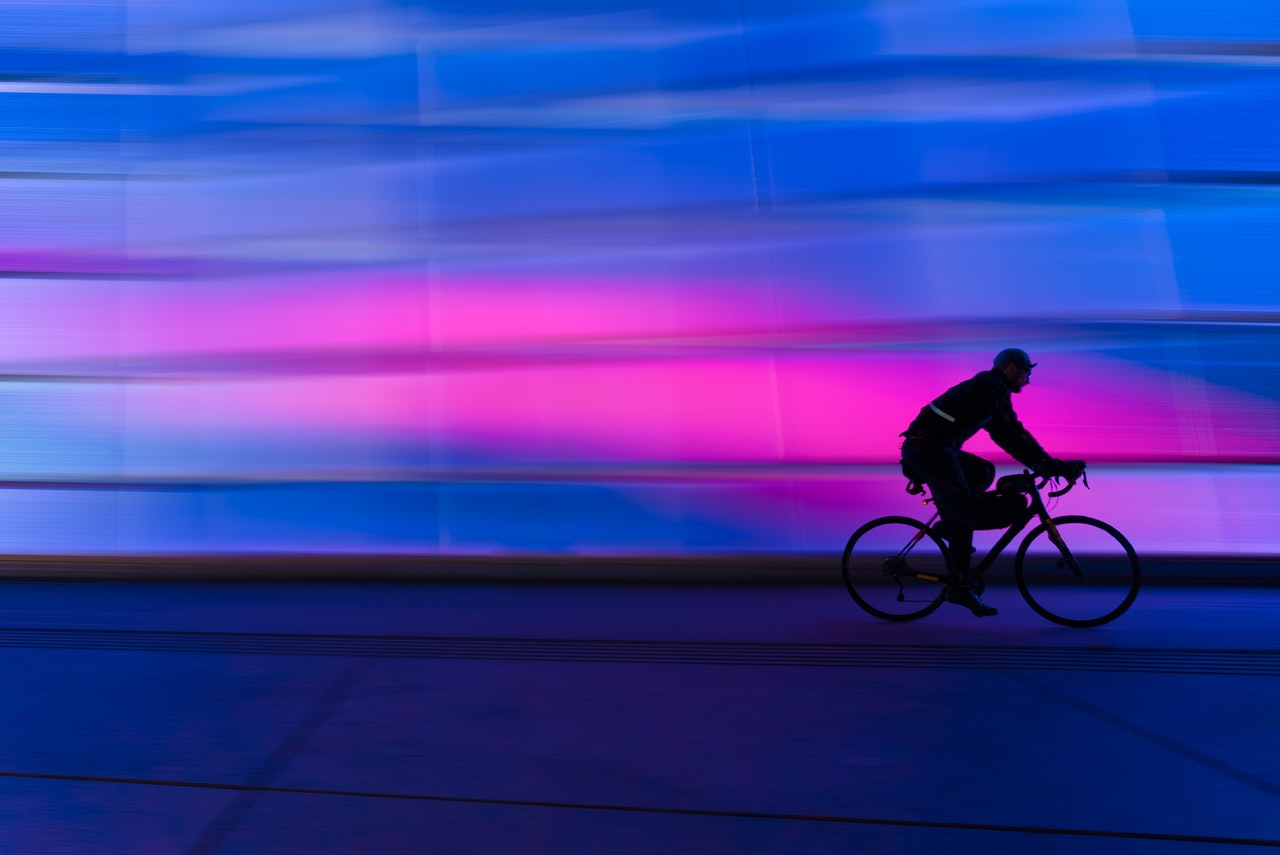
336, 717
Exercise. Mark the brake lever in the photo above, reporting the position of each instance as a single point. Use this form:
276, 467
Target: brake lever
1053, 494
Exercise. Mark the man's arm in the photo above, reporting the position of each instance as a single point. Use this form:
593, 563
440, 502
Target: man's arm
1009, 434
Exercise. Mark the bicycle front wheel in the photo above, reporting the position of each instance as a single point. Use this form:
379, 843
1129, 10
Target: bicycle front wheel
1086, 576
895, 568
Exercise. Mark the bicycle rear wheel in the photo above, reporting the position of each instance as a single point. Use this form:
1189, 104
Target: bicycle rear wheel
1090, 577
876, 564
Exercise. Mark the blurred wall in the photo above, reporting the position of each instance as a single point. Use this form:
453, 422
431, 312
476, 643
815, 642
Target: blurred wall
610, 278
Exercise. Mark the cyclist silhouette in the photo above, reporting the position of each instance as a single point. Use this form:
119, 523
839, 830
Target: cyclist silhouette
959, 480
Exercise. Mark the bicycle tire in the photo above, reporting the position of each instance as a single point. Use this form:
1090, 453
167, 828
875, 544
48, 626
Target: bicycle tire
870, 580
1110, 580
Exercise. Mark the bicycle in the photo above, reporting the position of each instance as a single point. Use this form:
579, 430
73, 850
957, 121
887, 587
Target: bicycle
898, 568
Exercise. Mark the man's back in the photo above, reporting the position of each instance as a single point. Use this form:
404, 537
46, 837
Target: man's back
961, 411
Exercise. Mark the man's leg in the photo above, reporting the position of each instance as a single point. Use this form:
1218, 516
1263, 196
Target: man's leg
942, 470
979, 473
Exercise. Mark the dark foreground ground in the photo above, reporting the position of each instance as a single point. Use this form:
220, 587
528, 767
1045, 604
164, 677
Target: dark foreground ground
338, 717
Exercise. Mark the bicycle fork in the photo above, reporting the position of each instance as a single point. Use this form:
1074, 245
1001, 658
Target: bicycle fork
1065, 558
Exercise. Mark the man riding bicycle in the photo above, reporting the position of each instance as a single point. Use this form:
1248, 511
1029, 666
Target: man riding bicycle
958, 479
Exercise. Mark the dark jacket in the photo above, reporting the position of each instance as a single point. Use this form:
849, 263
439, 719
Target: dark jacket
981, 402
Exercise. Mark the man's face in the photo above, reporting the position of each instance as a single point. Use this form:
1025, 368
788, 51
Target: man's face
1017, 376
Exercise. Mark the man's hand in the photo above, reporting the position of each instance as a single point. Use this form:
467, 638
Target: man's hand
1069, 469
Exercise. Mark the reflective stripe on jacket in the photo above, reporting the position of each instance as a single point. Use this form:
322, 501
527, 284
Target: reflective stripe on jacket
980, 403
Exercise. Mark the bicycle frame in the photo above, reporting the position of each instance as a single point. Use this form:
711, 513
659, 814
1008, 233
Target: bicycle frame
1036, 510
1099, 586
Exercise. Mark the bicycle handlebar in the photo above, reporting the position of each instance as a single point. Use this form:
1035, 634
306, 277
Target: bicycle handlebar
1071, 482
1053, 494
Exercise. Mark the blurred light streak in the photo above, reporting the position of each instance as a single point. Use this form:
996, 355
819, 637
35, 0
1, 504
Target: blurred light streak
1209, 510
602, 278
